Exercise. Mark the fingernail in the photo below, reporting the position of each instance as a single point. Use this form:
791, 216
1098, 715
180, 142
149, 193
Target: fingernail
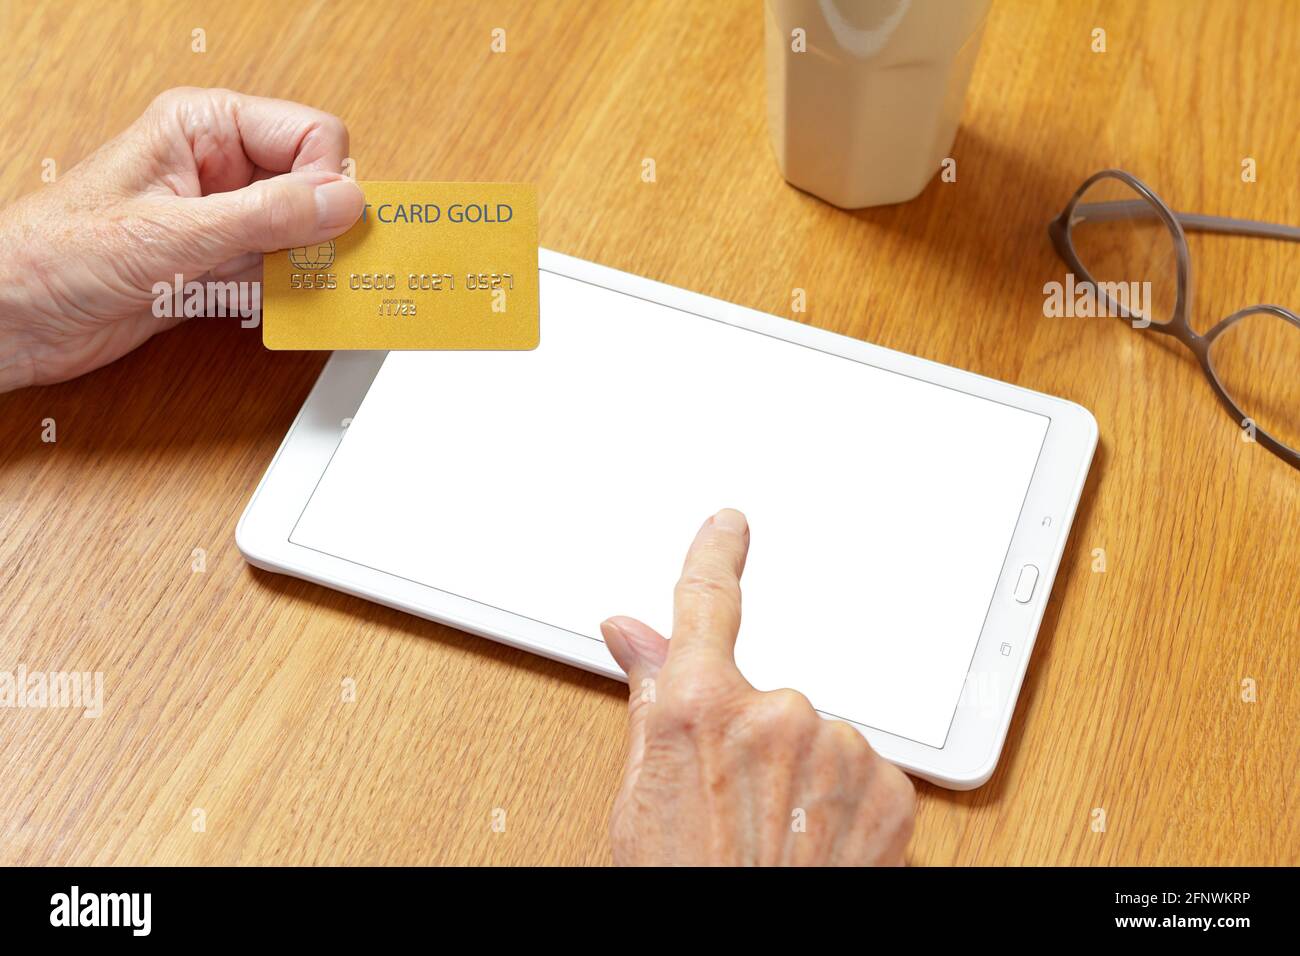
729, 519
338, 204
610, 626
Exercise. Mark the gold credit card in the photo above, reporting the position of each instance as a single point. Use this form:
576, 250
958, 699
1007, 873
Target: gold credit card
427, 266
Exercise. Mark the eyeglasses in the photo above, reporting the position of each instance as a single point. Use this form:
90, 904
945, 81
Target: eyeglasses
1131, 252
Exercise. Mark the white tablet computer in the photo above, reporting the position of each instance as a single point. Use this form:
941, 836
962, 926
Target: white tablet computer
906, 518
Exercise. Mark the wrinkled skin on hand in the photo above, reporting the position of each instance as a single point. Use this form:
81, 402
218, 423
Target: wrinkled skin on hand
201, 185
719, 773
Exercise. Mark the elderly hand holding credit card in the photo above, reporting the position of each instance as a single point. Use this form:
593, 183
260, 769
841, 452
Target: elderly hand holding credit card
200, 186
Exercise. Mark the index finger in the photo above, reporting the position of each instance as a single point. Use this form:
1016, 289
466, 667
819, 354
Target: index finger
232, 136
706, 601
284, 136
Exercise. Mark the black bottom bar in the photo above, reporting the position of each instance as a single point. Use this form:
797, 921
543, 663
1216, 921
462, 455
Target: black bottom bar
337, 906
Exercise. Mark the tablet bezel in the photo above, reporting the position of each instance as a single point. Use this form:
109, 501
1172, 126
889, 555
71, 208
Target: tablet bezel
974, 743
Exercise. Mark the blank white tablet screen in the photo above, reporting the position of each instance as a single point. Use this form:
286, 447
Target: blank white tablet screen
564, 485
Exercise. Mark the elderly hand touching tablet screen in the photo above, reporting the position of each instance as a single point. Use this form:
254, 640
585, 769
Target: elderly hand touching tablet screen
720, 773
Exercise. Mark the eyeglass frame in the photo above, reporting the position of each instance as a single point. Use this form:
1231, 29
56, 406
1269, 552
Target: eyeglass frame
1178, 325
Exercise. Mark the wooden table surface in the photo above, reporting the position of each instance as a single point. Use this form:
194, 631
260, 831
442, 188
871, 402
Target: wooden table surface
223, 686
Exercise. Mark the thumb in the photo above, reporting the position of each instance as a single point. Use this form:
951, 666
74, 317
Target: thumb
641, 651
294, 209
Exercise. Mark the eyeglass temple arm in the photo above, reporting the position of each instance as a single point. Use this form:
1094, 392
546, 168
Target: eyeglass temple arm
1237, 227
1125, 209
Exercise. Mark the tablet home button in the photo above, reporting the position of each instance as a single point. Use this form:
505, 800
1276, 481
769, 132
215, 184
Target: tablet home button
1025, 583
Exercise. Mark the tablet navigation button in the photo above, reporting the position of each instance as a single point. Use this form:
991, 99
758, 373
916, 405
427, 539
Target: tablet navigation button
1025, 583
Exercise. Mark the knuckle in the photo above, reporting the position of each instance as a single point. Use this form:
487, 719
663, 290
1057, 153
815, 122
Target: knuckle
706, 583
848, 740
717, 550
889, 809
691, 704
280, 210
786, 709
778, 722
333, 127
907, 791
170, 98
328, 133
898, 791
905, 814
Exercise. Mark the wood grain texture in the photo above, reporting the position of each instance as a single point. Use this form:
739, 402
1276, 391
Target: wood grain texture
223, 687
